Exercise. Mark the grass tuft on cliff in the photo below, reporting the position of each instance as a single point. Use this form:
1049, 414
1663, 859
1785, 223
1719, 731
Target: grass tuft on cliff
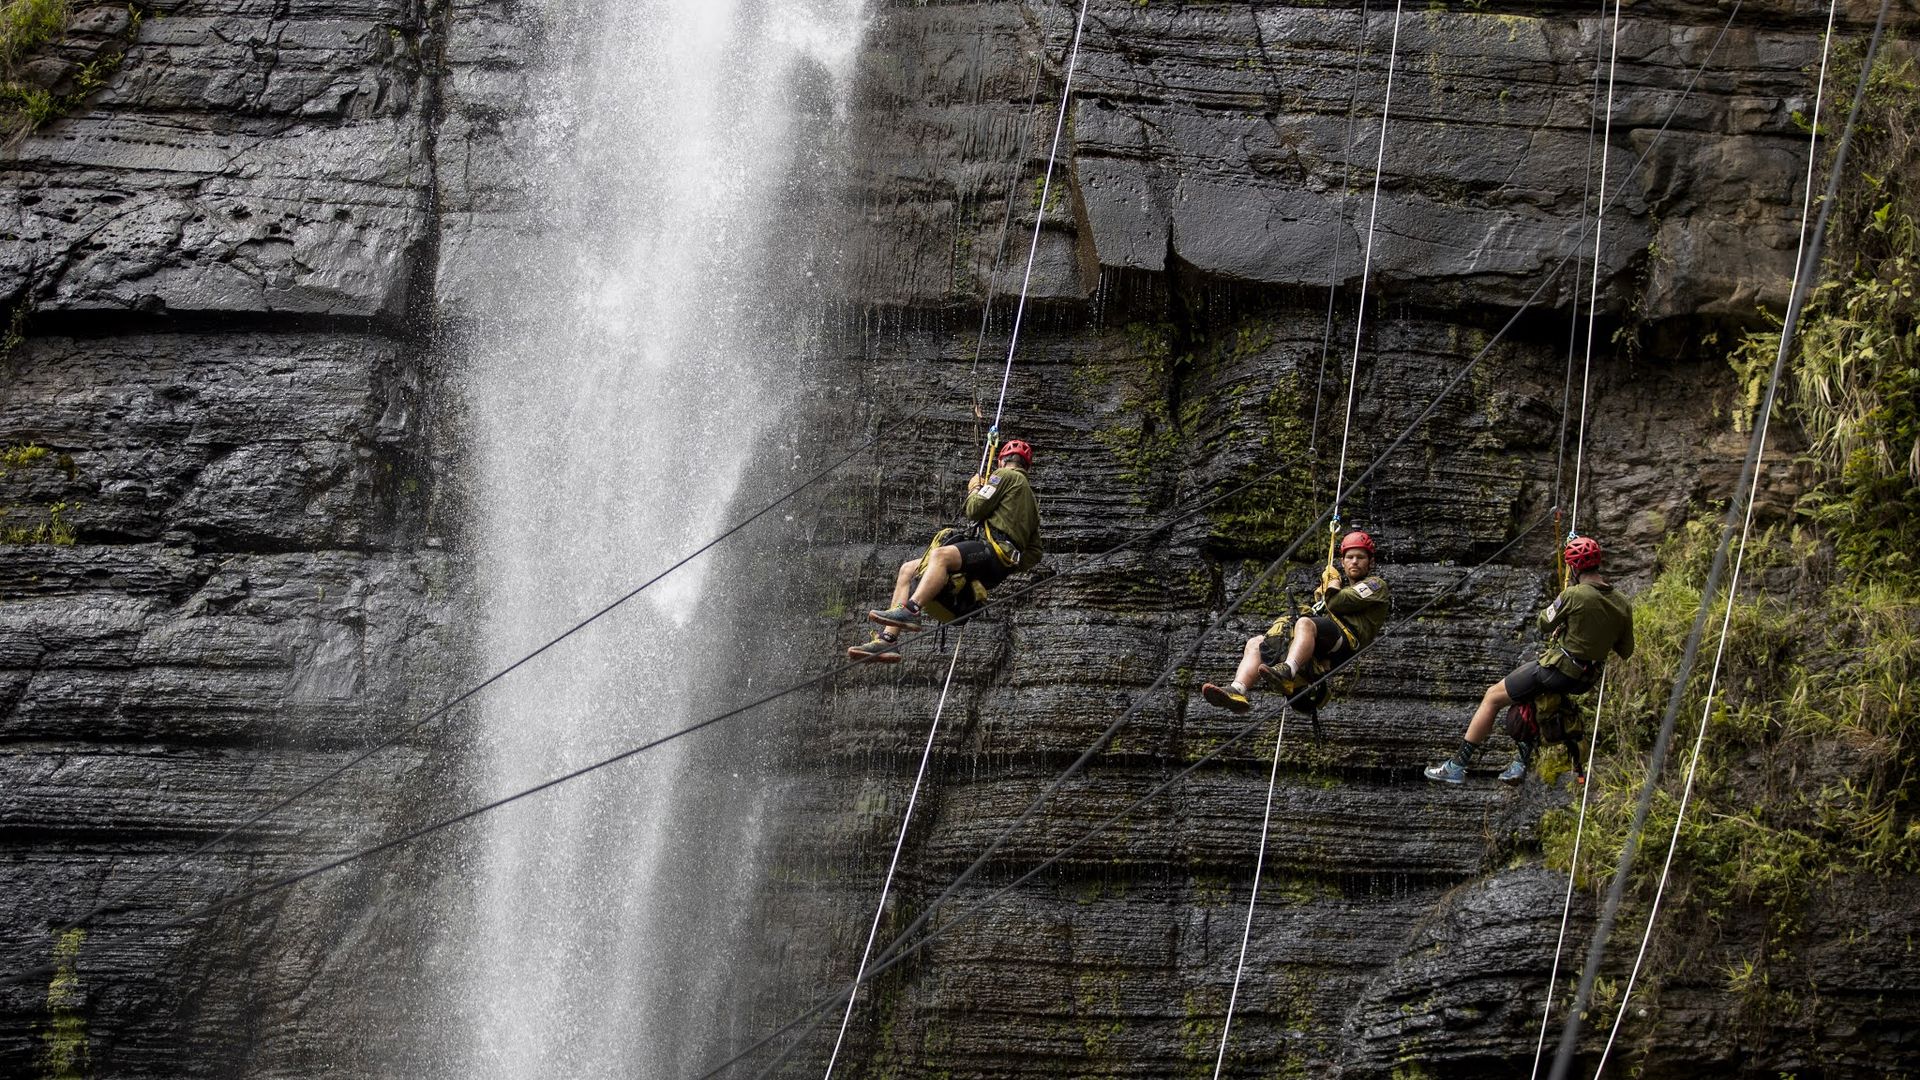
25, 25
48, 70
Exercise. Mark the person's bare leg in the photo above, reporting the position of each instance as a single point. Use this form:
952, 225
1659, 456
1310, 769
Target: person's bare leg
1495, 699
940, 567
1248, 674
1300, 654
904, 581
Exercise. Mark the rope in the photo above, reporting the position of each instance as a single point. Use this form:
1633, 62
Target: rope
1563, 572
1810, 257
1593, 291
1733, 582
1253, 898
221, 903
1000, 247
1333, 263
1573, 871
897, 954
899, 843
1573, 342
1366, 269
441, 710
1039, 218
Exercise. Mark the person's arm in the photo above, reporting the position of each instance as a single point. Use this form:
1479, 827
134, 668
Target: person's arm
1624, 644
1549, 620
984, 499
1358, 597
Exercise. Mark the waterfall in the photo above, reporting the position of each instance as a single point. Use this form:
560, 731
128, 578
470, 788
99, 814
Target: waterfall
614, 401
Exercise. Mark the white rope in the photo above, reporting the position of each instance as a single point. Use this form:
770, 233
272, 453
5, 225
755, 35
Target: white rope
1573, 871
1733, 585
1333, 260
1039, 217
1573, 321
1259, 866
1000, 240
1366, 265
1593, 291
1013, 344
899, 843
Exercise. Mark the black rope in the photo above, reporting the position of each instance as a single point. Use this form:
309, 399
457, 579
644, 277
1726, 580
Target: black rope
278, 884
441, 710
1803, 274
896, 953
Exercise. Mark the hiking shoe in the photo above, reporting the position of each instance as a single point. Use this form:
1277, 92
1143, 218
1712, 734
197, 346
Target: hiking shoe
1448, 772
1515, 771
1283, 677
900, 618
879, 650
1225, 697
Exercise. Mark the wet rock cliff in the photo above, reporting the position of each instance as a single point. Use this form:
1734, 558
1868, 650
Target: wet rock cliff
1181, 339
224, 574
236, 272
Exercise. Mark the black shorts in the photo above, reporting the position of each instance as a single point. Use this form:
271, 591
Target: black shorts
1329, 643
980, 564
1530, 680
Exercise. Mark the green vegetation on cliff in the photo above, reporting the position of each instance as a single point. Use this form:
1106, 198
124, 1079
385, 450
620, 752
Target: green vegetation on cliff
32, 94
1811, 763
64, 1054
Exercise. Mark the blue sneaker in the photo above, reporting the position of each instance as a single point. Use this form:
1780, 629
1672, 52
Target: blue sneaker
1515, 771
879, 650
1448, 772
900, 618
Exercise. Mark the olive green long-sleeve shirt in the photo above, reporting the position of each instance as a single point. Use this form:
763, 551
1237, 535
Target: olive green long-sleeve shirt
1006, 505
1591, 622
1360, 606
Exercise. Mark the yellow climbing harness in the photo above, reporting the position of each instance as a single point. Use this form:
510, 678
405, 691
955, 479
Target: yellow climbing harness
962, 594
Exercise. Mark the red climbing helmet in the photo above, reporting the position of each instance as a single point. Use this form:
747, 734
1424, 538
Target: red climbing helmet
1356, 539
1582, 553
1018, 449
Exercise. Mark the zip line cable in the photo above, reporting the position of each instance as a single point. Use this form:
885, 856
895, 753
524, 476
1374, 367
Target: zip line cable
1000, 245
1559, 476
1253, 894
1333, 260
899, 843
1273, 776
986, 455
1353, 379
1593, 292
1366, 266
1573, 871
979, 346
1733, 582
898, 953
276, 885
1578, 237
1570, 1033
1573, 296
1039, 218
441, 710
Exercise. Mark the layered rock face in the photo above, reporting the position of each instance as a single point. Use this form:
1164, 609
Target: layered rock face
235, 260
1217, 174
223, 577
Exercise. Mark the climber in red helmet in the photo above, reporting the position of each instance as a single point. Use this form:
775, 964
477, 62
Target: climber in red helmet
1349, 609
1584, 625
1007, 516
